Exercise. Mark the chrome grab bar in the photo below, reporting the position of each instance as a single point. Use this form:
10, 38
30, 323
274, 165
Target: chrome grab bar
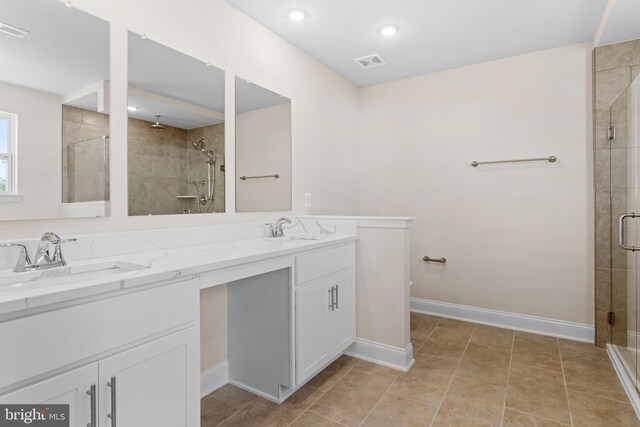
621, 233
550, 159
441, 260
275, 175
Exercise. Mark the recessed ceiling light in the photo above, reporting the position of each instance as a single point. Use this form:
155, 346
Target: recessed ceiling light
132, 108
388, 30
297, 15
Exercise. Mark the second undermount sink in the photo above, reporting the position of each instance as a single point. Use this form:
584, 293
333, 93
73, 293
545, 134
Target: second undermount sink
69, 274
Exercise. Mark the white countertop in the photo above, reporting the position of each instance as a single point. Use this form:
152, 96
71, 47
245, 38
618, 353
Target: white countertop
162, 265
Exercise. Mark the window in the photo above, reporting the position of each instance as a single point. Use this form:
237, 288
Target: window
8, 142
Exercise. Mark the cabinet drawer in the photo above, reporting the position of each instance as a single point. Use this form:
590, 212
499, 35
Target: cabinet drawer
321, 263
47, 341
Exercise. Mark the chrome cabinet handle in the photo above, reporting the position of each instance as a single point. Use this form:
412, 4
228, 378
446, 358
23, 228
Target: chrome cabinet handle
337, 293
330, 290
92, 392
621, 233
112, 414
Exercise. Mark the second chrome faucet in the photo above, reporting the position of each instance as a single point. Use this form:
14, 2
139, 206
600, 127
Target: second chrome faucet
275, 229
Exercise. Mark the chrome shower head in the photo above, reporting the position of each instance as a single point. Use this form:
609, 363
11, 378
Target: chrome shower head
198, 145
157, 124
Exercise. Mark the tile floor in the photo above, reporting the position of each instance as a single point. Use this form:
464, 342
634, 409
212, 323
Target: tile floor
465, 375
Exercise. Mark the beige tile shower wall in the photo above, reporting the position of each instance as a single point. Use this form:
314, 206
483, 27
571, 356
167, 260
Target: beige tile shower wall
83, 162
164, 163
517, 237
157, 168
615, 66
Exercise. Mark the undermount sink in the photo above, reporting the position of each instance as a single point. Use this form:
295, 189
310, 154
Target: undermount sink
69, 274
295, 237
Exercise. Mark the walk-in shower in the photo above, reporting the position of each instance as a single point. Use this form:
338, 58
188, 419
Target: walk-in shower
205, 200
623, 272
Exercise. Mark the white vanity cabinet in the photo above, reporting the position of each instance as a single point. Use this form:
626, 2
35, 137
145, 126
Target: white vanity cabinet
139, 348
72, 388
325, 308
150, 385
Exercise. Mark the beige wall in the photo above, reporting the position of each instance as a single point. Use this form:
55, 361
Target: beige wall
263, 147
213, 326
383, 285
517, 237
39, 153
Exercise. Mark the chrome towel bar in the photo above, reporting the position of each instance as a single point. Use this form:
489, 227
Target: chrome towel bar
244, 178
441, 260
550, 159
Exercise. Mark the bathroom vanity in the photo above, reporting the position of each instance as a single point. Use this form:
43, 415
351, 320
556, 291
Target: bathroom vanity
123, 346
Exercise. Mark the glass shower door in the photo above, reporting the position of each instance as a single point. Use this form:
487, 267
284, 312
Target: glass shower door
625, 222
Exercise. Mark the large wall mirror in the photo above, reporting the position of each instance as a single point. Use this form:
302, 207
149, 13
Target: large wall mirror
263, 149
54, 111
175, 132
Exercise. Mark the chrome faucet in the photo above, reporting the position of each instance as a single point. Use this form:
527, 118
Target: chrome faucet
275, 229
44, 259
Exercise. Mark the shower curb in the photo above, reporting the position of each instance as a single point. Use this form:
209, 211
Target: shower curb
626, 380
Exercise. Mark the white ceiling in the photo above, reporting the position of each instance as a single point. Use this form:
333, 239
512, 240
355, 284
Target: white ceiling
433, 35
159, 69
250, 96
67, 50
623, 23
169, 114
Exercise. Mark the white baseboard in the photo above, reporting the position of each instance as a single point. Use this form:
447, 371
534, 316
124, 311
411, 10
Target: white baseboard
214, 378
258, 392
625, 378
382, 354
503, 319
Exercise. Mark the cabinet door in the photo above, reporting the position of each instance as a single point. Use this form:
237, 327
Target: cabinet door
342, 319
312, 308
67, 389
155, 384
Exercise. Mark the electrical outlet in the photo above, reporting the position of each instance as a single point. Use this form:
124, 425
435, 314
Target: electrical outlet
307, 200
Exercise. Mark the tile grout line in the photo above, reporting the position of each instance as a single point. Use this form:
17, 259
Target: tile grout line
378, 402
504, 406
308, 406
416, 350
325, 417
232, 415
564, 381
327, 392
589, 392
398, 378
536, 416
454, 374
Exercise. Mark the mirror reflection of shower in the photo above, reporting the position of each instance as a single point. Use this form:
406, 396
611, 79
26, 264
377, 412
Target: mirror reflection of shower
205, 200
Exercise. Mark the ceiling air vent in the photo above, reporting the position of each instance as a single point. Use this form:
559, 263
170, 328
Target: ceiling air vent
13, 31
370, 61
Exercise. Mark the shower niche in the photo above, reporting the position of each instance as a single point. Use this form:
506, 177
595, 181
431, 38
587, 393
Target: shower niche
176, 132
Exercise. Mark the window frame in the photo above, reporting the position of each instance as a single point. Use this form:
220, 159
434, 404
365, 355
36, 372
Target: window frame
11, 155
